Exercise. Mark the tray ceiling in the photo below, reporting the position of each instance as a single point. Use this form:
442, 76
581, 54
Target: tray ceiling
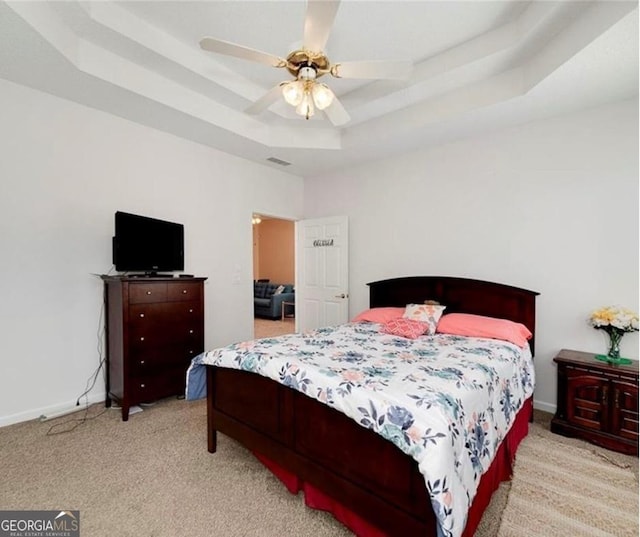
477, 66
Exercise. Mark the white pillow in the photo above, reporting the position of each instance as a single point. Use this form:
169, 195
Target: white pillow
426, 313
279, 290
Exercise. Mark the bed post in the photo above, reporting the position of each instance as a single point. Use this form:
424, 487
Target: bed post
211, 430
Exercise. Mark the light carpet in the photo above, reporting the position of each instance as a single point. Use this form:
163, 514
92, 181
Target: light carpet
153, 476
570, 491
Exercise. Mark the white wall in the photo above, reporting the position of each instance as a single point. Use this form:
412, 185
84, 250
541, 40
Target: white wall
64, 170
550, 206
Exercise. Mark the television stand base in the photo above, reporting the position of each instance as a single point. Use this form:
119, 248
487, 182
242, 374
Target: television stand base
150, 275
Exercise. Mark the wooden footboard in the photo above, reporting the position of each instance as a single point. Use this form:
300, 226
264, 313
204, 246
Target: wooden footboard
357, 467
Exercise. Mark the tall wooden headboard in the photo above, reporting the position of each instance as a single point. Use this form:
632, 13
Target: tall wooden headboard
459, 295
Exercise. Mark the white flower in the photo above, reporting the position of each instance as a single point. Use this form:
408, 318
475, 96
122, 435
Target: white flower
615, 317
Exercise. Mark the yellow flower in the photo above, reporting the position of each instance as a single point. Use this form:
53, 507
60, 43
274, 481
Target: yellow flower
614, 317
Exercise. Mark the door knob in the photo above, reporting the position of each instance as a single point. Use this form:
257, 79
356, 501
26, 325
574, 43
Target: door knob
342, 295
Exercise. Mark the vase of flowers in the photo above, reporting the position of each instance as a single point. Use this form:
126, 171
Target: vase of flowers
616, 322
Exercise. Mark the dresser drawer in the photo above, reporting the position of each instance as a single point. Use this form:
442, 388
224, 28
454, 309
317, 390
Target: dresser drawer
183, 291
188, 311
146, 315
145, 338
142, 364
170, 381
191, 312
165, 320
140, 293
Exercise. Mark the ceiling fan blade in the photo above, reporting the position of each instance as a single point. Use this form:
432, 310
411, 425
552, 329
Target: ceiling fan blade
318, 23
394, 70
245, 53
265, 101
336, 113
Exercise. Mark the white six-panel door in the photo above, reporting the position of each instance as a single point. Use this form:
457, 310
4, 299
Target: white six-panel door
322, 272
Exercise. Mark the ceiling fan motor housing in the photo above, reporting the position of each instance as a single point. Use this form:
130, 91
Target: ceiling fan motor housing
307, 73
300, 63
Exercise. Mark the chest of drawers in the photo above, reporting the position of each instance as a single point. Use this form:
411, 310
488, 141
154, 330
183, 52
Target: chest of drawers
155, 326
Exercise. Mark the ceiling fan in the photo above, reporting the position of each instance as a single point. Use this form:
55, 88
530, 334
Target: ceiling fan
308, 64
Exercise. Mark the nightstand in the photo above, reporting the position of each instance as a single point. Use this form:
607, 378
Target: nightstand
597, 402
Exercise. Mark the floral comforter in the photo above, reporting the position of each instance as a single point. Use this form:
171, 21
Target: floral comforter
447, 401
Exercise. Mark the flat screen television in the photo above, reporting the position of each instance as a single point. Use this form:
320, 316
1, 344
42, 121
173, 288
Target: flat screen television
143, 244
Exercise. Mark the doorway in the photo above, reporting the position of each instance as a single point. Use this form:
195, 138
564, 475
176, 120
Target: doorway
273, 276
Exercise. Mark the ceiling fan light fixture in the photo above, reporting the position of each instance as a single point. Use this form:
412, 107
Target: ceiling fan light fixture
306, 107
307, 73
293, 92
309, 63
322, 96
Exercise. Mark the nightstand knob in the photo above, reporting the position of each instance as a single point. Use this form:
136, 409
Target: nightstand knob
190, 310
184, 291
141, 362
148, 292
142, 339
191, 331
142, 315
142, 385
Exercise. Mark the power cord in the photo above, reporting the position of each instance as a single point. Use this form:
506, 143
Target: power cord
91, 381
76, 422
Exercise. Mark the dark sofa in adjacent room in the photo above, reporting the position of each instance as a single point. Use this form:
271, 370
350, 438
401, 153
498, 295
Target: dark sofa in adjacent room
268, 298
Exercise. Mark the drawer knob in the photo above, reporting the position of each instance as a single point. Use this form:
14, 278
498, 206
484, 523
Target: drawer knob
142, 385
142, 338
190, 310
190, 352
184, 291
148, 292
142, 315
141, 362
191, 331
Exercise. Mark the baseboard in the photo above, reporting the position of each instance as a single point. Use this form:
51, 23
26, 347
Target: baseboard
545, 407
49, 410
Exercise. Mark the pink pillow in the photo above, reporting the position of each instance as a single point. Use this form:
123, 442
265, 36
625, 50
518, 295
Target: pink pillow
404, 327
378, 315
465, 324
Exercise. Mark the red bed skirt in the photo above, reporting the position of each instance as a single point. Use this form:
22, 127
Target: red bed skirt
500, 470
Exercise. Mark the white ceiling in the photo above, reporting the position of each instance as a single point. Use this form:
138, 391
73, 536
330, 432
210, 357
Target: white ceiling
477, 66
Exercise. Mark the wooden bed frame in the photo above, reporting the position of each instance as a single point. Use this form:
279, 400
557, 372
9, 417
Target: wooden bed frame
315, 442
